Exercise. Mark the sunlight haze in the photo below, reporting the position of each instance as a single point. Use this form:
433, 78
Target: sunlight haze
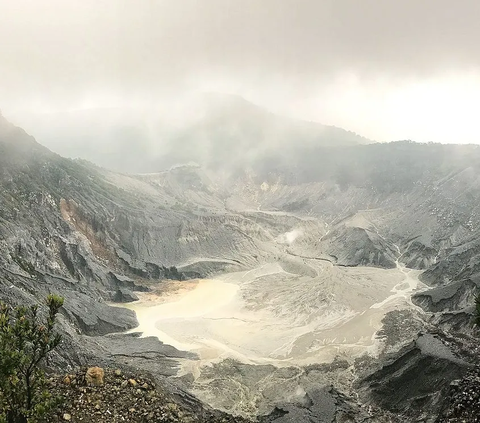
386, 70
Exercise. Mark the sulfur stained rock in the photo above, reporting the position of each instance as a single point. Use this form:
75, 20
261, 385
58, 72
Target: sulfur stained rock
94, 376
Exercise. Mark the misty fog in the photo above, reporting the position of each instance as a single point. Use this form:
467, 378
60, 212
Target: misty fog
383, 69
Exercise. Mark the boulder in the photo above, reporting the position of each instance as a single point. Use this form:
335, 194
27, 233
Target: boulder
124, 295
94, 376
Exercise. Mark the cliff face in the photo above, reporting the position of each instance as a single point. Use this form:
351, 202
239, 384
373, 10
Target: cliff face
94, 236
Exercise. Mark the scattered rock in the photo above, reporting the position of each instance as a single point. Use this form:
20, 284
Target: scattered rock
94, 376
115, 402
464, 402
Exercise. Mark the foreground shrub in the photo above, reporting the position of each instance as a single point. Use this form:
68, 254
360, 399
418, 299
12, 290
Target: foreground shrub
26, 338
477, 310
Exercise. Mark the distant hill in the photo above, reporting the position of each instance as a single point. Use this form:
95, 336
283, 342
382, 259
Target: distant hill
214, 130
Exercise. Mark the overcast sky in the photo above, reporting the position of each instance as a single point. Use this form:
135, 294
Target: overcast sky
387, 69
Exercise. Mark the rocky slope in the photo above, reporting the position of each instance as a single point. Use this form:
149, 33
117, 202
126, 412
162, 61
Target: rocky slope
119, 396
97, 237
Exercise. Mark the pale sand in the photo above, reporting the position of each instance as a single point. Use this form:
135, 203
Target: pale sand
269, 316
206, 297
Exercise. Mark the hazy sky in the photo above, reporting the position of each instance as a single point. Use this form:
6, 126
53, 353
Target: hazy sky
387, 69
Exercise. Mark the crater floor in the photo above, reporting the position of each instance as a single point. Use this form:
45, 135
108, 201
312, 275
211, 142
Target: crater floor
268, 316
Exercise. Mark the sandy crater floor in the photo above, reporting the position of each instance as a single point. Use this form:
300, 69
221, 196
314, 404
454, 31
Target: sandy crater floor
268, 315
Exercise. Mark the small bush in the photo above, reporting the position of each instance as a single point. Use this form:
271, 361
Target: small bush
26, 338
477, 310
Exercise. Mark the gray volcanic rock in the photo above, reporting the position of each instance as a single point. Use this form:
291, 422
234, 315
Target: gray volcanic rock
454, 296
90, 315
95, 318
458, 262
458, 321
414, 382
92, 236
321, 404
124, 296
352, 246
144, 353
293, 394
418, 255
463, 402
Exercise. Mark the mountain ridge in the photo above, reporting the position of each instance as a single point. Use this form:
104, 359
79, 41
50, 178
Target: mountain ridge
129, 140
92, 235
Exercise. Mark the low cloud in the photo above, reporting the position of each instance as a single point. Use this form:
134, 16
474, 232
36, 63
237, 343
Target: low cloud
341, 62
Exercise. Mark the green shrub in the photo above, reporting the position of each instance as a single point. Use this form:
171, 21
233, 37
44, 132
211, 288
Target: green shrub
477, 310
26, 338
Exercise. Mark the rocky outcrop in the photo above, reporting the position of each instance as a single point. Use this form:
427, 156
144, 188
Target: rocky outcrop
452, 297
418, 256
124, 296
143, 353
95, 318
353, 246
414, 381
320, 404
463, 404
